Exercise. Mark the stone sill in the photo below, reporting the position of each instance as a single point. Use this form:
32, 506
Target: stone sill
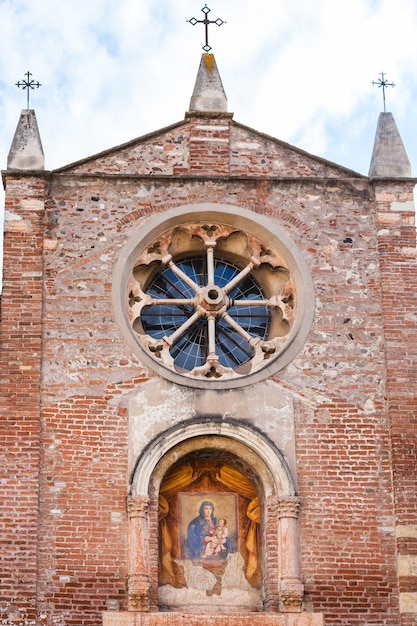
135, 618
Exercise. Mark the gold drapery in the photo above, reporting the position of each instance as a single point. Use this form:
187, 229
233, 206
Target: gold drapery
166, 569
231, 478
177, 481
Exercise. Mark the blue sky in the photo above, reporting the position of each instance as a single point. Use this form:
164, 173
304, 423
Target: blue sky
300, 71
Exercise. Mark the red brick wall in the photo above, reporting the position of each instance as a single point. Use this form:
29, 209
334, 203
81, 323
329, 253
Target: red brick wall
82, 542
353, 429
342, 426
397, 248
20, 360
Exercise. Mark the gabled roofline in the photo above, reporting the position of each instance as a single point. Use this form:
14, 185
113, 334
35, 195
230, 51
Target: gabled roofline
284, 144
121, 146
184, 122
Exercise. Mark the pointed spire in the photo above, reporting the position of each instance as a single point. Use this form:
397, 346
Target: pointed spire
389, 158
26, 151
208, 92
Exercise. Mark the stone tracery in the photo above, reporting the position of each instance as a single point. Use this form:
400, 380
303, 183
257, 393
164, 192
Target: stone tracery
225, 301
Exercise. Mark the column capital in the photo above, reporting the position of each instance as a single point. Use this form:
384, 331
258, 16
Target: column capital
137, 506
288, 506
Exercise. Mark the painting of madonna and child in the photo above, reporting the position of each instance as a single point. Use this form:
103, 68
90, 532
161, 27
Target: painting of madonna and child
209, 545
207, 537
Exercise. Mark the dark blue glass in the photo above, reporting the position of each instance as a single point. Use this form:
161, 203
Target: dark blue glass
191, 349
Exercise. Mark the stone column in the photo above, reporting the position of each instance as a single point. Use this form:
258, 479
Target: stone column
138, 558
291, 589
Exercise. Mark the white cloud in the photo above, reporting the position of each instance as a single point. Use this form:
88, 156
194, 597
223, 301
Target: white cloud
299, 70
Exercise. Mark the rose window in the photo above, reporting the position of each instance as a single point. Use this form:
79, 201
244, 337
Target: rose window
211, 301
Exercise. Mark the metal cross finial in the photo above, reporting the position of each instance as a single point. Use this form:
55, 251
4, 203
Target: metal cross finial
28, 84
193, 21
382, 82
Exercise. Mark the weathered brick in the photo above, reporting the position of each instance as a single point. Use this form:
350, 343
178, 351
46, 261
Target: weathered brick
67, 375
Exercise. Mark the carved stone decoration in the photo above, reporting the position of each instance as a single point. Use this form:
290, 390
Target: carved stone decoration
291, 593
291, 589
138, 593
192, 295
137, 506
212, 297
289, 507
138, 585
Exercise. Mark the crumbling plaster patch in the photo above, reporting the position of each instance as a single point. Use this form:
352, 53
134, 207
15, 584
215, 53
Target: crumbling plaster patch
11, 217
236, 591
160, 405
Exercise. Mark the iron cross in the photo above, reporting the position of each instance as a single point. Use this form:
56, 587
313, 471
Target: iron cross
382, 82
28, 84
193, 21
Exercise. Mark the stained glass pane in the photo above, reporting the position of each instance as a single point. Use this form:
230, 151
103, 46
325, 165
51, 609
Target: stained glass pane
191, 348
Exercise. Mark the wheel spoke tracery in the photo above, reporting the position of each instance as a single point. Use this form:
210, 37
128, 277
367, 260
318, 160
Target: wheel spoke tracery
206, 314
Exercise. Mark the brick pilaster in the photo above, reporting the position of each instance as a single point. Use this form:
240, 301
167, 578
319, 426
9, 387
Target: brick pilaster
398, 263
210, 144
20, 360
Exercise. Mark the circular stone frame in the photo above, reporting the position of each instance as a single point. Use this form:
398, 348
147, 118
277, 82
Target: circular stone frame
258, 225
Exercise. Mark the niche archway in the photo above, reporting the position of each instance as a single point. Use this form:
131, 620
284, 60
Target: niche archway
250, 470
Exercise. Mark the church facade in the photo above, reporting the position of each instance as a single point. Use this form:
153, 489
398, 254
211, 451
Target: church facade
208, 381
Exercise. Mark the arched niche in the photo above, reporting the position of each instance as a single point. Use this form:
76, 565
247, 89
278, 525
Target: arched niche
162, 452
245, 465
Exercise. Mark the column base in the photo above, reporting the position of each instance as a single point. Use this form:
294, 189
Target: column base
291, 593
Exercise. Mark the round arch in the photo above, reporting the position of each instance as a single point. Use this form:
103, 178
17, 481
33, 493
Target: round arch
170, 446
279, 559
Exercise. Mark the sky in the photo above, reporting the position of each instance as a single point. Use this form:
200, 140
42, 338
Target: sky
298, 70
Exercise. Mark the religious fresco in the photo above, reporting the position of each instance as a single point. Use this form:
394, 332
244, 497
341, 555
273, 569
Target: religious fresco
209, 535
208, 526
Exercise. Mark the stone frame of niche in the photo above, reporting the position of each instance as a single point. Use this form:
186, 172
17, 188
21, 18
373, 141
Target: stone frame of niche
282, 588
264, 229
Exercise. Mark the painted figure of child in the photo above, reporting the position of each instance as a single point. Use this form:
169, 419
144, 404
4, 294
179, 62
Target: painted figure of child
216, 540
